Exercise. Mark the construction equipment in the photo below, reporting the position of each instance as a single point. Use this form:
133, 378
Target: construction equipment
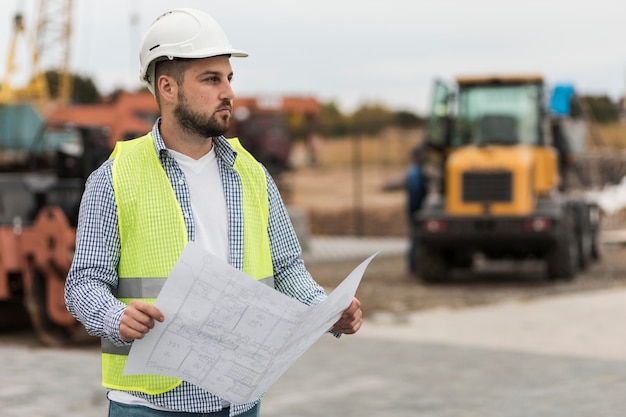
495, 182
43, 167
39, 201
49, 47
265, 134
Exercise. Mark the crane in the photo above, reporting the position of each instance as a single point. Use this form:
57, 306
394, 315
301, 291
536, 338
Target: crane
49, 45
39, 190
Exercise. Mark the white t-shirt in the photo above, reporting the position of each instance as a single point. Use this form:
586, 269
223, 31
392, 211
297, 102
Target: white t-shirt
208, 203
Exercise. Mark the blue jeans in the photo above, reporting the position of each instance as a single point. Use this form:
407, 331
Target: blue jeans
124, 410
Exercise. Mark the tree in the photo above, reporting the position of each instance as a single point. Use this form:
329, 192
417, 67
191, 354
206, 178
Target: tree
84, 90
371, 119
332, 122
408, 120
602, 108
300, 125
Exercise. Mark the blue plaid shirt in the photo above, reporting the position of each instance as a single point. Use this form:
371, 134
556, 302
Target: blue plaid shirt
94, 269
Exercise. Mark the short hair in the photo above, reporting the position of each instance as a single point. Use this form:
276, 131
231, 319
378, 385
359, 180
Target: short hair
174, 68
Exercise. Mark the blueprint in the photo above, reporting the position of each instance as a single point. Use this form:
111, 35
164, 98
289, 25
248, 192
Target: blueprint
229, 334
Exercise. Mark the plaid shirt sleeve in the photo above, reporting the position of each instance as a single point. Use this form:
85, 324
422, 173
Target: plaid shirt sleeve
93, 272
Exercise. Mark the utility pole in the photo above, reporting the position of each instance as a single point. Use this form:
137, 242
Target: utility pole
357, 185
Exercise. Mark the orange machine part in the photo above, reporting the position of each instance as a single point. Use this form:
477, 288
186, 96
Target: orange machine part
10, 260
50, 243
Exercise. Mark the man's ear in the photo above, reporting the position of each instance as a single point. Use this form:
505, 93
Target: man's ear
167, 87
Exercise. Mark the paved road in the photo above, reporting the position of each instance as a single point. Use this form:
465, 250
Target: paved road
562, 356
556, 357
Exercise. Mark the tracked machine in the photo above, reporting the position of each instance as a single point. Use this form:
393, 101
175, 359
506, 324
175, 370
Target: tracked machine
41, 183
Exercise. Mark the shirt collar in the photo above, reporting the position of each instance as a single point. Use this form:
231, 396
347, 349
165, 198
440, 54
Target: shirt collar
223, 149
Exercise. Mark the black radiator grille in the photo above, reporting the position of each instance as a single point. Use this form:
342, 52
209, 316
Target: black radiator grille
490, 187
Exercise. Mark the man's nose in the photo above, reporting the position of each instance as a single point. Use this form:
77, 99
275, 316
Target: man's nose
227, 92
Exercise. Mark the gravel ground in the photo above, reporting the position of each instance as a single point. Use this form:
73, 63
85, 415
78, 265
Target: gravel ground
387, 288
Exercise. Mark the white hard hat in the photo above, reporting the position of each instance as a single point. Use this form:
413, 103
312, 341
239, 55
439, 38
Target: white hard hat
182, 33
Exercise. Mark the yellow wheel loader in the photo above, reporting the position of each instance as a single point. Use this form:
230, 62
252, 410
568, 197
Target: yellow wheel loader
495, 182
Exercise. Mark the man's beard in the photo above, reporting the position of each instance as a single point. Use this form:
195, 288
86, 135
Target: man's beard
199, 123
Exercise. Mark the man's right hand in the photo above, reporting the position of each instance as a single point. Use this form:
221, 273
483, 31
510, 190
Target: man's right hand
138, 319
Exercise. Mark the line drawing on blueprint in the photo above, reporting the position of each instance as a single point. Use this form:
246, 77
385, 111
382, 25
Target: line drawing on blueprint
228, 333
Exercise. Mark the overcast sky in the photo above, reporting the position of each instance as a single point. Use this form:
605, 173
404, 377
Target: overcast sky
364, 51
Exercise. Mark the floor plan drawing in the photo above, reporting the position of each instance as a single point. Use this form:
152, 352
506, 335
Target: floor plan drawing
228, 333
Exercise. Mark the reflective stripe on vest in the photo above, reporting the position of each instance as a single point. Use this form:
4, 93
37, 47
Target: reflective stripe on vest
153, 235
148, 288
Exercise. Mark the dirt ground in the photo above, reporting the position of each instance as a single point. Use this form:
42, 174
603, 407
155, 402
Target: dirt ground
345, 201
335, 208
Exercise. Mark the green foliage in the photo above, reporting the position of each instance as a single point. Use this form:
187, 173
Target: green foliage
409, 120
332, 122
369, 119
602, 108
84, 90
301, 126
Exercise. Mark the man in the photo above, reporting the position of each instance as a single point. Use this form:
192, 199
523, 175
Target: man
565, 157
416, 190
182, 182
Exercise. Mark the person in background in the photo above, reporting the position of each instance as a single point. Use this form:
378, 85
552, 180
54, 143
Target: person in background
416, 190
565, 157
313, 145
183, 181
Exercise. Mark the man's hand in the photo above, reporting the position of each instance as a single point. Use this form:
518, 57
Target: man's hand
351, 319
138, 319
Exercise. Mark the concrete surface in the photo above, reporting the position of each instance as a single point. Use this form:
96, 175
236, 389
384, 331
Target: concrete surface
563, 356
332, 248
581, 324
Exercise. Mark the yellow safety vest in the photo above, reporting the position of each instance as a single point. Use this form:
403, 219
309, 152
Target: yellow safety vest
153, 235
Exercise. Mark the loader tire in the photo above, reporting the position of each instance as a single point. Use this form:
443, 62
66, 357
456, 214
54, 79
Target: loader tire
49, 333
432, 265
563, 259
584, 235
596, 253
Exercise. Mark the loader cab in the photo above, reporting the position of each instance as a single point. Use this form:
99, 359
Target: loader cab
487, 111
499, 111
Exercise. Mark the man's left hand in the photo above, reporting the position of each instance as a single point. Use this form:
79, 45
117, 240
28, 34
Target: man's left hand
351, 319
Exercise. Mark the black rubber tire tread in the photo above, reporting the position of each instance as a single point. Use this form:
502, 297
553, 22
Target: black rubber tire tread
49, 333
562, 260
432, 265
584, 235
